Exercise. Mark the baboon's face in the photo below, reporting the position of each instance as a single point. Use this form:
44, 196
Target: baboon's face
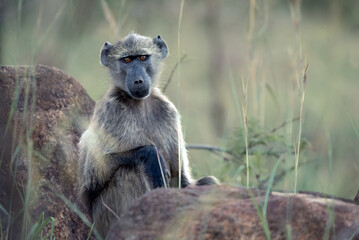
134, 63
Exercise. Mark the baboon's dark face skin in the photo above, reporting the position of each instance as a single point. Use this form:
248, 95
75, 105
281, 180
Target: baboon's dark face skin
137, 72
134, 63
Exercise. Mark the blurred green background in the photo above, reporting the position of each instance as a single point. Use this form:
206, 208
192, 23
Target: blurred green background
262, 44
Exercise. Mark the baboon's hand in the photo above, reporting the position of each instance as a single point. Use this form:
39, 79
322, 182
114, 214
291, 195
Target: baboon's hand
150, 158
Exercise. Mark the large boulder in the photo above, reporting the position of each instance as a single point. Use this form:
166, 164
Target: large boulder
222, 212
42, 114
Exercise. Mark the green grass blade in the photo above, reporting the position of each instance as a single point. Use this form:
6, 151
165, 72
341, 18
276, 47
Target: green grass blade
235, 95
272, 95
3, 209
32, 231
269, 187
262, 218
1, 233
179, 87
38, 227
88, 237
354, 126
19, 11
52, 228
41, 228
330, 222
354, 233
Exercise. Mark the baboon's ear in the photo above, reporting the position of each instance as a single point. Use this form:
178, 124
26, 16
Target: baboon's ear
161, 45
104, 53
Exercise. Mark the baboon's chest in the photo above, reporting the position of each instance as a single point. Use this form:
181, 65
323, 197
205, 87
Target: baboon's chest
146, 125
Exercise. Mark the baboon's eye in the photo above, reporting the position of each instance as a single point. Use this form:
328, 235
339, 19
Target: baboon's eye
143, 57
126, 59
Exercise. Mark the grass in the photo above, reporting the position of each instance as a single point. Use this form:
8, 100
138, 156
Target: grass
353, 235
262, 218
263, 57
301, 84
179, 134
245, 124
22, 145
262, 214
36, 231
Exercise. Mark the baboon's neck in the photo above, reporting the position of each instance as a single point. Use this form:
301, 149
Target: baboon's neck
120, 95
124, 98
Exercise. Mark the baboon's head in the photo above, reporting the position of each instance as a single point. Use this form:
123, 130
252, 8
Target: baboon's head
134, 63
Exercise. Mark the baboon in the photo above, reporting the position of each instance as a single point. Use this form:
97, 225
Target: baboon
134, 139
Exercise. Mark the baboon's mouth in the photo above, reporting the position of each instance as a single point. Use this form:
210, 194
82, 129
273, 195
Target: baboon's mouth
140, 93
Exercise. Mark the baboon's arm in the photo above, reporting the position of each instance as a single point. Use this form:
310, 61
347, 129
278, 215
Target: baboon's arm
150, 159
145, 156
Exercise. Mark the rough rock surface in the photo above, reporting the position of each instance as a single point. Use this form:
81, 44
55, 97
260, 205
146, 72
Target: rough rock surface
222, 212
42, 112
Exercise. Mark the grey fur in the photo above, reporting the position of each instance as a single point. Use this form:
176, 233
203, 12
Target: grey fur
123, 122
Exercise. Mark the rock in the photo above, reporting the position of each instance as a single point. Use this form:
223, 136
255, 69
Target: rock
356, 198
220, 212
42, 114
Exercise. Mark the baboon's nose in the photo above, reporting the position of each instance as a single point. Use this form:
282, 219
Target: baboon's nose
137, 82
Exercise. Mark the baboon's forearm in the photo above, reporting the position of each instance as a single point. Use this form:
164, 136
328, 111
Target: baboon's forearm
97, 185
147, 157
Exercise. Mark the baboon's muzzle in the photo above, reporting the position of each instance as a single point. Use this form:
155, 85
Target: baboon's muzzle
140, 92
139, 83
